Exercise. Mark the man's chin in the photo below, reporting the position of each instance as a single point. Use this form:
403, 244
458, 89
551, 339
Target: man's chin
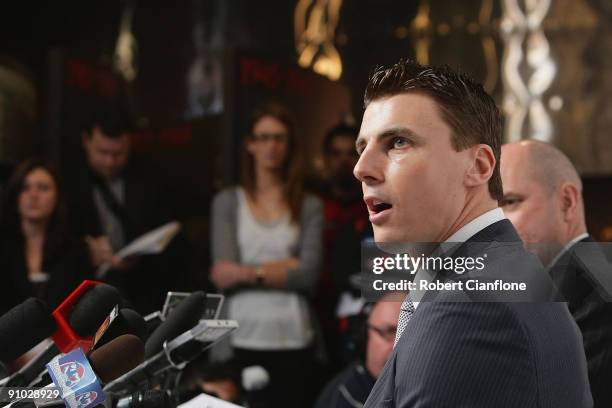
386, 234
398, 235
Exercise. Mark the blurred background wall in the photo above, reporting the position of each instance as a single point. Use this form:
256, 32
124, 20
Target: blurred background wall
190, 71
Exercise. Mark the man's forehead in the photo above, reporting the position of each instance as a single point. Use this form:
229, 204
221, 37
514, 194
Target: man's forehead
406, 110
102, 140
514, 163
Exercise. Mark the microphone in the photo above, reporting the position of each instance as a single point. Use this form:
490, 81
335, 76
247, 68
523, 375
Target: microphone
79, 324
84, 306
117, 357
111, 360
126, 322
186, 315
30, 322
175, 354
153, 321
78, 377
146, 399
92, 308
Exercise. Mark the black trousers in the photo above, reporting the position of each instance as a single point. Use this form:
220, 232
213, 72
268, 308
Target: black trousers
292, 377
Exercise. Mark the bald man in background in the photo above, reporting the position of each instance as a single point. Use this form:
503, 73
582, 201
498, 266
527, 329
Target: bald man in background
543, 199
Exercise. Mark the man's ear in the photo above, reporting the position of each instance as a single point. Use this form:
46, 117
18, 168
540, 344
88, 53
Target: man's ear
569, 200
481, 166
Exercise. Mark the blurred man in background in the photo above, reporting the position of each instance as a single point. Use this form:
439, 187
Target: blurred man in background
352, 386
115, 199
543, 199
345, 221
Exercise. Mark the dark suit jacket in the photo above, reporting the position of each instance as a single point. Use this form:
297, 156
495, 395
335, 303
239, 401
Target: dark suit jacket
147, 202
348, 389
457, 353
593, 314
147, 205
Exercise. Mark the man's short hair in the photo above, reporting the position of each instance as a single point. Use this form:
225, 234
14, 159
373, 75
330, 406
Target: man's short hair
112, 121
341, 130
465, 106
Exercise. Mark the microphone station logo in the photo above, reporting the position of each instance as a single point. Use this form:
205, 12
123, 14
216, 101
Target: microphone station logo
86, 398
77, 382
73, 373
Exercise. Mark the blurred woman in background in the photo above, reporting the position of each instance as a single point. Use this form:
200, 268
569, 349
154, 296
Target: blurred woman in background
266, 248
38, 254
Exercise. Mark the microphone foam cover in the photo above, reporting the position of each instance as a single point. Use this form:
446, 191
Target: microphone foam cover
182, 318
127, 322
117, 357
92, 308
23, 327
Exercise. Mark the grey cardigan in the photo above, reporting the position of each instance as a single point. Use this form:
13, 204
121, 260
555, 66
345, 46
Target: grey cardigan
224, 239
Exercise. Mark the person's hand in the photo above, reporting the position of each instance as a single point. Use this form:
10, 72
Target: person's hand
223, 389
276, 271
125, 263
100, 250
225, 274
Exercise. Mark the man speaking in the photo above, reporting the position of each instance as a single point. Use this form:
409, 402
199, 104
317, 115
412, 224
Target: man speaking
429, 150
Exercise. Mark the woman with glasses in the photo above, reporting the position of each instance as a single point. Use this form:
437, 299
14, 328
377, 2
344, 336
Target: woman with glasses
266, 248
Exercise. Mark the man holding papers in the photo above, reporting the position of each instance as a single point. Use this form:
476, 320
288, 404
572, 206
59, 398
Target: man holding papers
115, 200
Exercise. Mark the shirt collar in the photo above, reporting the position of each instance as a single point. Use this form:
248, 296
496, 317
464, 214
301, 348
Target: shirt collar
476, 225
567, 246
463, 234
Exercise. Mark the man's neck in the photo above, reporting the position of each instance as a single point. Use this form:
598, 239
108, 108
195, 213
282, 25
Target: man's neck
471, 211
573, 232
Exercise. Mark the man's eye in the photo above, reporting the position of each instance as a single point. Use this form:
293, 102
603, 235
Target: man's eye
400, 143
510, 202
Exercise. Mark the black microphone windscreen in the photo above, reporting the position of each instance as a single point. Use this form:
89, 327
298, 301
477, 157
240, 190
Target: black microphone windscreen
127, 322
92, 308
117, 357
182, 318
23, 327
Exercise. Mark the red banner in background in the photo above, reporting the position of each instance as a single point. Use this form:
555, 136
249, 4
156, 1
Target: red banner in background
275, 76
90, 78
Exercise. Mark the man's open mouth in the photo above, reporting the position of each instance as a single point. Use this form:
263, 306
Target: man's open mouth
376, 206
381, 207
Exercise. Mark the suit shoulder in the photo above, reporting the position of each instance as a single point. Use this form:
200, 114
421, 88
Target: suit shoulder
483, 353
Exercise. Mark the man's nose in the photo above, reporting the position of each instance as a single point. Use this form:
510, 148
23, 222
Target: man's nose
111, 160
367, 170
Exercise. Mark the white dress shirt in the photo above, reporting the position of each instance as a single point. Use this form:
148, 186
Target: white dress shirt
461, 235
